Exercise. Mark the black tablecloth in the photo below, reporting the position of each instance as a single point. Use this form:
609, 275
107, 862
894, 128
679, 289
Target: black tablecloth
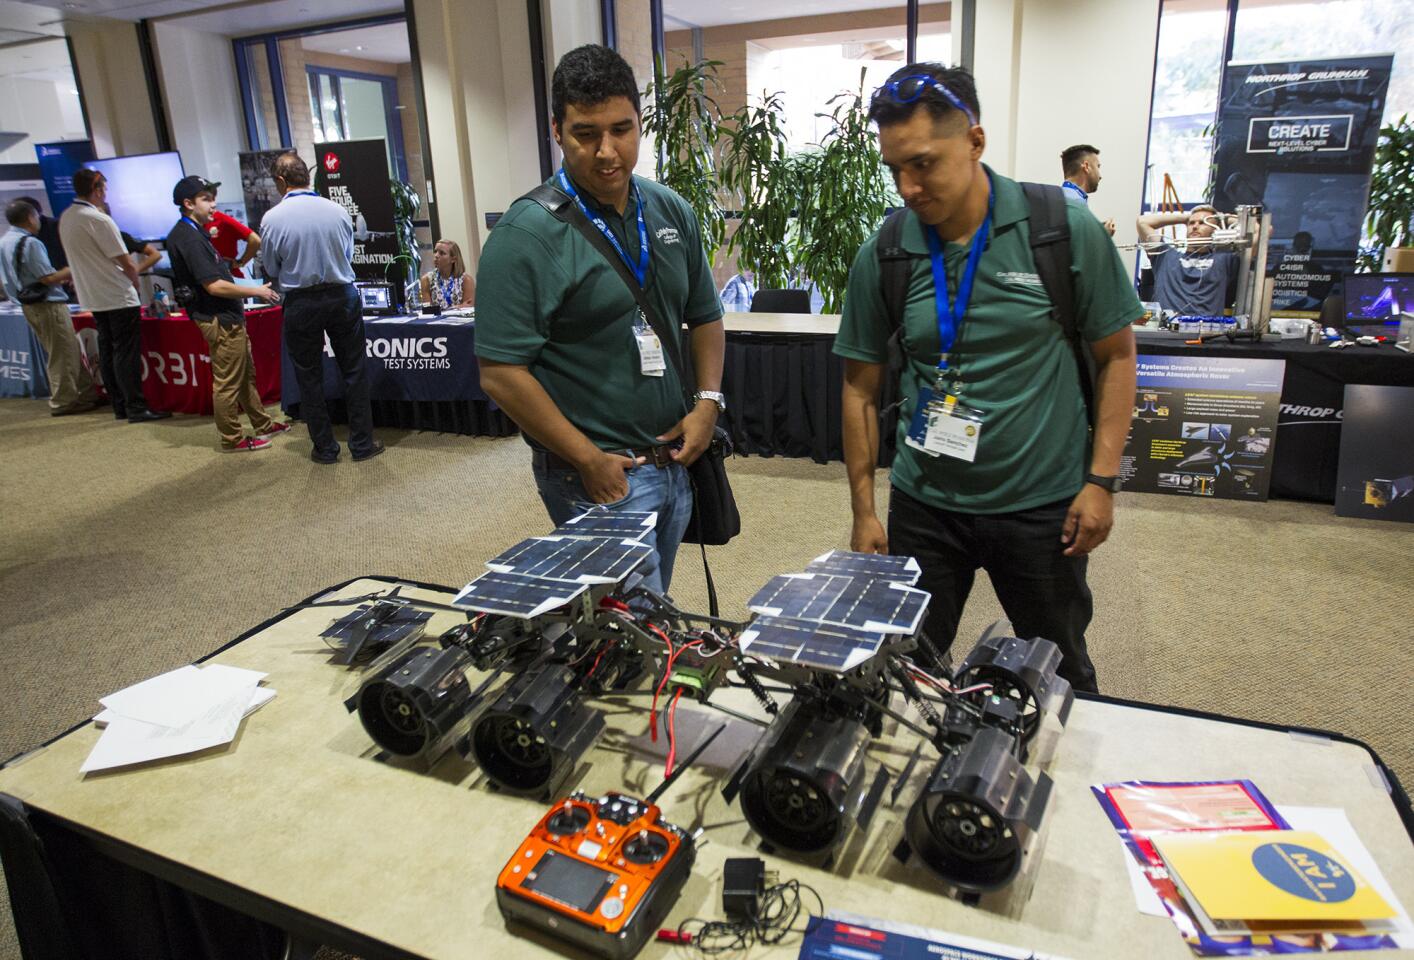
783, 395
783, 398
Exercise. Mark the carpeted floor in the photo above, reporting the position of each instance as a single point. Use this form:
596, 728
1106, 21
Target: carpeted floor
132, 549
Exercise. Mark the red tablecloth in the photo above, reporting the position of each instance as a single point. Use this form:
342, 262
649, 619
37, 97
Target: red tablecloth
176, 365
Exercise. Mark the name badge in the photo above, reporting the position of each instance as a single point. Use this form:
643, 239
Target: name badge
944, 428
651, 360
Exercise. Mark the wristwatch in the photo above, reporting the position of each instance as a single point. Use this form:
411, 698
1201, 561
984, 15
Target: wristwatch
720, 399
1112, 484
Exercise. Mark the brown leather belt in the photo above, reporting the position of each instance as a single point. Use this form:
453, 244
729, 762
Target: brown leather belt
659, 456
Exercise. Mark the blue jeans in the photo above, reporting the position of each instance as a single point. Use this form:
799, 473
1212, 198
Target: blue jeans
662, 489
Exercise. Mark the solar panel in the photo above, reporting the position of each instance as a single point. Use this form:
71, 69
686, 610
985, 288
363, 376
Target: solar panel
395, 628
878, 565
583, 560
861, 602
600, 522
820, 646
516, 595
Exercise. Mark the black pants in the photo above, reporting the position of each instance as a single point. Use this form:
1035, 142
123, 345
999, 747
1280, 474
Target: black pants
1043, 592
337, 312
120, 358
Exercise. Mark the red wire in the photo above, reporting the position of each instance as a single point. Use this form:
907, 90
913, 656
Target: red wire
595, 666
672, 734
667, 670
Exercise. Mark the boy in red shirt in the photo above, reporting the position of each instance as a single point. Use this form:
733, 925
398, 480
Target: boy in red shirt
225, 232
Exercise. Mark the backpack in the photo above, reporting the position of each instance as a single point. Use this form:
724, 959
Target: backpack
1050, 249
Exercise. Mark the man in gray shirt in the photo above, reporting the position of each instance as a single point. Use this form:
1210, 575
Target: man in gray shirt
307, 250
1192, 281
23, 261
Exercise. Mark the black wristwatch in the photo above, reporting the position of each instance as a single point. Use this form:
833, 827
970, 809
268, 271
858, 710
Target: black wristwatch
1112, 484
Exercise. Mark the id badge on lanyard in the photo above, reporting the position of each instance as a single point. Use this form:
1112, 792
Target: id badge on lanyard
651, 360
942, 426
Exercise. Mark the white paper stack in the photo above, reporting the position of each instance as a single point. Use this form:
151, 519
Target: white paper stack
179, 712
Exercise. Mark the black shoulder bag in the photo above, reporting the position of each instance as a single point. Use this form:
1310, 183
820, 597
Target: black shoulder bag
36, 292
715, 519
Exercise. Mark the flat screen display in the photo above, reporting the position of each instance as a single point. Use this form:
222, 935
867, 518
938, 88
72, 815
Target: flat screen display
376, 297
140, 192
1378, 297
569, 881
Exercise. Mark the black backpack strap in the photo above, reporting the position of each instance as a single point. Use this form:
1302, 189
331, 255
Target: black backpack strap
895, 267
895, 273
1050, 249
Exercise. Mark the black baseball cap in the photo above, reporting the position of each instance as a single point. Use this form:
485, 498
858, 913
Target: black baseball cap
188, 187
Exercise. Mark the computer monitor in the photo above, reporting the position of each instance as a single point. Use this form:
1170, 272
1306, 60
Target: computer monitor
1378, 297
140, 192
377, 297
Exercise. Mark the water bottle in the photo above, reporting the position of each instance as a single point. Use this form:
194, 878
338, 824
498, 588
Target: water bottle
160, 309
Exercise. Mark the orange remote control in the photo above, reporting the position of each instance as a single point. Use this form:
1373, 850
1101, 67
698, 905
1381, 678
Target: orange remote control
602, 873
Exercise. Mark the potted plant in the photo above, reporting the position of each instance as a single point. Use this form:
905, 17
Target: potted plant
846, 196
765, 183
1391, 209
685, 121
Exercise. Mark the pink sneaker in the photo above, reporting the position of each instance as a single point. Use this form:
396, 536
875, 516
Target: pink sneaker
276, 428
248, 445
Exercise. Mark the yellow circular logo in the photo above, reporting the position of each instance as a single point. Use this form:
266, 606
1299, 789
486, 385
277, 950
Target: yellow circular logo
972, 431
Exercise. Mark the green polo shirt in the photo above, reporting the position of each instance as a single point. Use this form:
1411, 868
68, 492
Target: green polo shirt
548, 300
1016, 366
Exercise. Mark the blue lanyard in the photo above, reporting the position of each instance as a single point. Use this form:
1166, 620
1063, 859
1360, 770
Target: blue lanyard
951, 311
640, 269
1076, 189
194, 225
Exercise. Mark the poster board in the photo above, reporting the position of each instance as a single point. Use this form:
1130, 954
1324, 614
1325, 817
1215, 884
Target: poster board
258, 188
354, 174
1376, 473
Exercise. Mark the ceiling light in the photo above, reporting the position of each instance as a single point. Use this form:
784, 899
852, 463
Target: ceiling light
358, 48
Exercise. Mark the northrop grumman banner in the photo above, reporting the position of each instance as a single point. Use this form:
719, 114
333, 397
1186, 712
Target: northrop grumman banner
354, 174
1298, 137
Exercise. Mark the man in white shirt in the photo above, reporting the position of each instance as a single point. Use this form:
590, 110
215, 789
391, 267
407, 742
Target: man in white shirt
106, 280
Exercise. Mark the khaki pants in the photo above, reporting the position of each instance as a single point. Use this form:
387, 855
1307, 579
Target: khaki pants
69, 382
233, 380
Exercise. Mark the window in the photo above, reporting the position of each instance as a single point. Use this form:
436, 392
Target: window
1187, 73
39, 99
352, 106
1332, 28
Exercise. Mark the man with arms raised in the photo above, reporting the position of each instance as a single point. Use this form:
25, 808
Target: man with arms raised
1192, 281
998, 470
563, 348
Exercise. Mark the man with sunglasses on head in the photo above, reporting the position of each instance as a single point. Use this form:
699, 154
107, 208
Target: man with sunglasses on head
996, 466
563, 345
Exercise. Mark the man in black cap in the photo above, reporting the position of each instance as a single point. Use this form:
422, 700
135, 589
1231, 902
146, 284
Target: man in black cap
203, 284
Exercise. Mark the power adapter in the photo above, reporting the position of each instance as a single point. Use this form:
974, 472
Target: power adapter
743, 885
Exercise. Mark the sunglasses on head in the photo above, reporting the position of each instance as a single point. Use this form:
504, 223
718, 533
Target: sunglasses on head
909, 89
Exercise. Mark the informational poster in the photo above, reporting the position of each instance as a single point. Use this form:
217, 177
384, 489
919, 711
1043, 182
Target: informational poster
1376, 478
258, 185
1204, 426
57, 163
1298, 137
354, 174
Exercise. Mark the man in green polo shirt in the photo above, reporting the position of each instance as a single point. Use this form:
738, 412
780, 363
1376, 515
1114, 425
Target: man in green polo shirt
562, 346
997, 470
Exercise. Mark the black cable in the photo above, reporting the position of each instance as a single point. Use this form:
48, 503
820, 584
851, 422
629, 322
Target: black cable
776, 914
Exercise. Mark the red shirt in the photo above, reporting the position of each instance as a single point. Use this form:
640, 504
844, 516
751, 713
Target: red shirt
224, 232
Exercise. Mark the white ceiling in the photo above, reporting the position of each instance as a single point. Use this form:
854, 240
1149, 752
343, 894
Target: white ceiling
211, 16
387, 42
681, 14
45, 60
